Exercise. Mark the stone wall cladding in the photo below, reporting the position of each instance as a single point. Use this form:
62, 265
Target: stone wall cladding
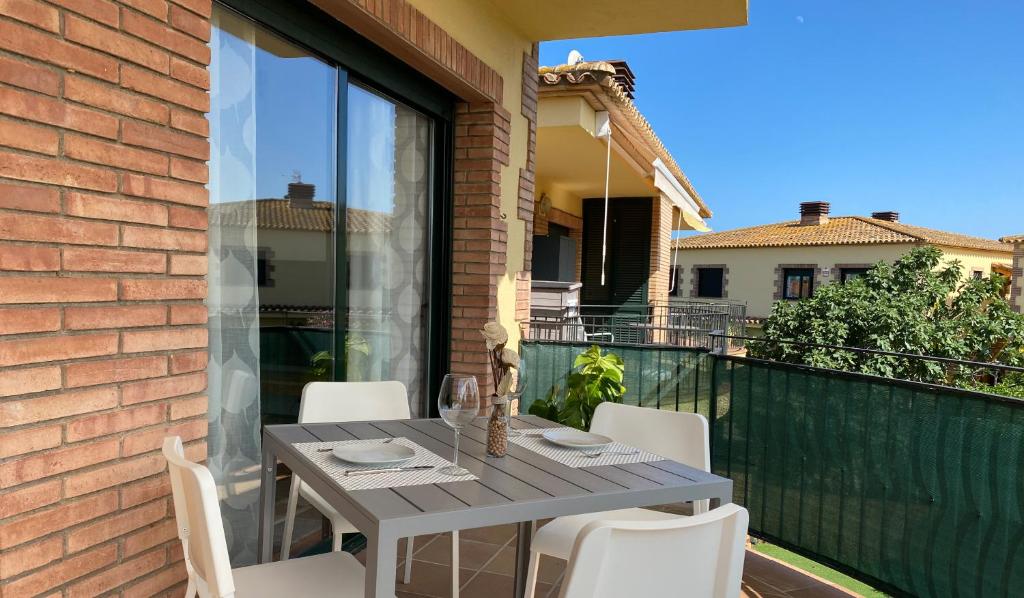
103, 145
1017, 274
694, 281
837, 270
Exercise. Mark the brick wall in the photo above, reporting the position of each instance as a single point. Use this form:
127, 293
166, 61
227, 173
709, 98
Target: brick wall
102, 265
661, 258
1017, 278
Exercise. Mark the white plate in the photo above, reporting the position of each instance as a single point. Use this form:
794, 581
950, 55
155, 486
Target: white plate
374, 454
577, 439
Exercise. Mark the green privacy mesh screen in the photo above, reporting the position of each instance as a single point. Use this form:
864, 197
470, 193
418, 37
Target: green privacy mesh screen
920, 490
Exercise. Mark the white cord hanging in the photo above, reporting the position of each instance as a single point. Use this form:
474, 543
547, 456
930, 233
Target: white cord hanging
672, 268
605, 130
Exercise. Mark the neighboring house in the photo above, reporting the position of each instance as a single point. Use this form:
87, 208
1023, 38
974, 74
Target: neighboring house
1017, 273
789, 260
127, 313
649, 196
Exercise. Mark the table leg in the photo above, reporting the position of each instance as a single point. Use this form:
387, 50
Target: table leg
268, 493
381, 561
523, 539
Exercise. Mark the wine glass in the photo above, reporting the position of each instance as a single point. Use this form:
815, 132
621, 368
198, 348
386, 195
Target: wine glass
459, 403
517, 393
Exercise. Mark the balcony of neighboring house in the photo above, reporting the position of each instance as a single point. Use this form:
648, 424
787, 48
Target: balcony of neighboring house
601, 276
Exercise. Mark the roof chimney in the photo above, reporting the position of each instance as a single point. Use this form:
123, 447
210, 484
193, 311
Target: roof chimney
300, 195
887, 216
813, 213
624, 76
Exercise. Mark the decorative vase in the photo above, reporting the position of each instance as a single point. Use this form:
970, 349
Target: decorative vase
497, 427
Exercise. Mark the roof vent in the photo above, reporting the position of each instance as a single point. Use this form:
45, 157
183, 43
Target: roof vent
624, 77
813, 213
887, 216
300, 195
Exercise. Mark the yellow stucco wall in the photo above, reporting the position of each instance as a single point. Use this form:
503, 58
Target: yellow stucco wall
752, 271
478, 28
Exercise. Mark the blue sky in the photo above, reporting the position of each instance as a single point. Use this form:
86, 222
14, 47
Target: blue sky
914, 106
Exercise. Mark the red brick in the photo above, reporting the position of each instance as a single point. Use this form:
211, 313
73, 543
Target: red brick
150, 440
24, 500
113, 577
27, 411
189, 362
200, 7
28, 381
44, 465
31, 557
173, 191
114, 155
98, 10
29, 258
165, 37
35, 44
116, 43
153, 8
63, 572
155, 238
163, 388
28, 76
18, 196
45, 522
49, 229
90, 373
188, 314
118, 525
43, 170
91, 318
188, 121
152, 84
37, 350
20, 320
113, 260
113, 475
111, 208
36, 289
190, 73
49, 111
194, 265
189, 408
144, 491
181, 217
156, 584
160, 289
115, 421
190, 170
165, 140
164, 340
29, 441
108, 97
190, 23
19, 135
32, 12
142, 540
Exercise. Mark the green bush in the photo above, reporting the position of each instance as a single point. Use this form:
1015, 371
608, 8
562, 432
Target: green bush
596, 378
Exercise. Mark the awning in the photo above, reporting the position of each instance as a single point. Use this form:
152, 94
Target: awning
670, 188
695, 222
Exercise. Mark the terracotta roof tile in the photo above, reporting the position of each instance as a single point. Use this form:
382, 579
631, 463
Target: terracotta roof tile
1013, 238
840, 230
282, 214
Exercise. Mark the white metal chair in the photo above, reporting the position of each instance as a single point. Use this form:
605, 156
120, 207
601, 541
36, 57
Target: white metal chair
344, 402
201, 532
683, 556
682, 437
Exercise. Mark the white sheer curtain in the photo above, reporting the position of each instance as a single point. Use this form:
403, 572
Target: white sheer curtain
234, 390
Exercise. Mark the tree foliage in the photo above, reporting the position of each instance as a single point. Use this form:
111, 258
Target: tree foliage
917, 305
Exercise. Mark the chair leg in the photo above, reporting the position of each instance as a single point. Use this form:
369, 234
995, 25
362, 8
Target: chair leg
408, 561
531, 574
455, 564
190, 589
289, 518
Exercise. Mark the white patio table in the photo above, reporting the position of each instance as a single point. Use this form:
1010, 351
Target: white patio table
519, 488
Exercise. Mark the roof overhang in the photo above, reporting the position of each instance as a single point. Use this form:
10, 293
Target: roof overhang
543, 20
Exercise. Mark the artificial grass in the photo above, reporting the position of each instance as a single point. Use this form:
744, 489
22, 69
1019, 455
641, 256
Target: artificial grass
806, 564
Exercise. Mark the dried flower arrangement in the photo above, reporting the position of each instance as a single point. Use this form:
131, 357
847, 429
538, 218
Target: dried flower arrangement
502, 359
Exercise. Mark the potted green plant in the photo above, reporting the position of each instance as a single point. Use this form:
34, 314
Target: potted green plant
596, 378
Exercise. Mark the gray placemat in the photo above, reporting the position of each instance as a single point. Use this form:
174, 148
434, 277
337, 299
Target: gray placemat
336, 468
532, 440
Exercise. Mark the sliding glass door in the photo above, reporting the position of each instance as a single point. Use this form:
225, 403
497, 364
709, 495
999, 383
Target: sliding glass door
322, 221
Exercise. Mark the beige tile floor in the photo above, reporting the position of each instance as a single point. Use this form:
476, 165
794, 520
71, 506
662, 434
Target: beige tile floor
487, 560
